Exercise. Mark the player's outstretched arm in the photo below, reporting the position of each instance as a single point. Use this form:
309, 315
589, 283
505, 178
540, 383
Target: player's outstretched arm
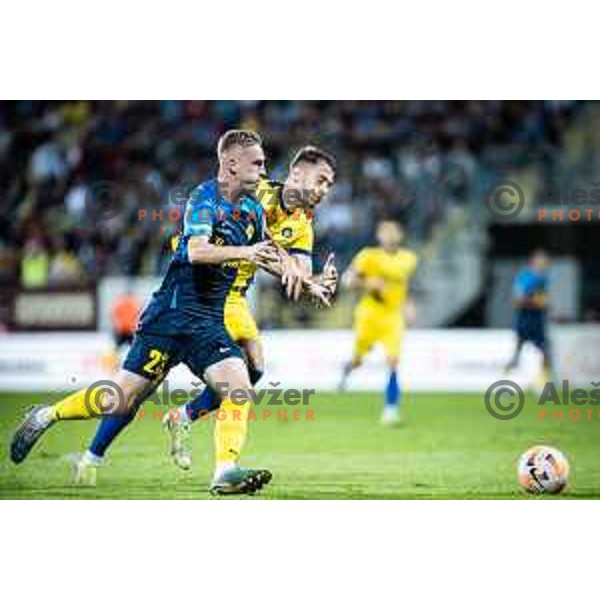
201, 251
295, 279
322, 284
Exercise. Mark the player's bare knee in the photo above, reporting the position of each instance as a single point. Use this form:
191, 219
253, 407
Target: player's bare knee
126, 388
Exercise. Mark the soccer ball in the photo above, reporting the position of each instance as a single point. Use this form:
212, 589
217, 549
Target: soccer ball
543, 470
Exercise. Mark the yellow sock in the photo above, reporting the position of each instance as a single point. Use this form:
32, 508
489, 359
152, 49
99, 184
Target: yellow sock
76, 406
547, 374
230, 431
543, 377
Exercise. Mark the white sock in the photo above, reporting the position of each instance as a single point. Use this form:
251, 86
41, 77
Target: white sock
44, 416
92, 458
390, 412
222, 468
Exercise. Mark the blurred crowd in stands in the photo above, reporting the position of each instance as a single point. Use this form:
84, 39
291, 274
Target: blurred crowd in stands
408, 160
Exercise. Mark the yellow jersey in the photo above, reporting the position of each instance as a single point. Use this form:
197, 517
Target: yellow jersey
292, 229
396, 270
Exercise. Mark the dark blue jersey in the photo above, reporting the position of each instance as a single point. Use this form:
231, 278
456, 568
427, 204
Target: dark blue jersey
191, 294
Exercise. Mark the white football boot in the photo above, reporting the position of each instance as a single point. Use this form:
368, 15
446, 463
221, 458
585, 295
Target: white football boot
391, 416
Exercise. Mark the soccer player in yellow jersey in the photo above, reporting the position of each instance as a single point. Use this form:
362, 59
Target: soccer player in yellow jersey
382, 276
289, 214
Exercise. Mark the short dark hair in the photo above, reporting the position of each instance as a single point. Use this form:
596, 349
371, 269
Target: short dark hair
313, 154
237, 137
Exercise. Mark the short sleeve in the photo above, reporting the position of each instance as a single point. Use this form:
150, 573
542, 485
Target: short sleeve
522, 286
362, 262
199, 217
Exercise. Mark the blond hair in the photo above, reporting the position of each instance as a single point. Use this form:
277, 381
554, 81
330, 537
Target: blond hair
237, 137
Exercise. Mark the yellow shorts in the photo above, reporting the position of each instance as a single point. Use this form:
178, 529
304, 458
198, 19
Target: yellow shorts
239, 321
377, 326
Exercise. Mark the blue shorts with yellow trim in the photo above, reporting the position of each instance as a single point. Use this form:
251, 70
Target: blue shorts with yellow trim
153, 355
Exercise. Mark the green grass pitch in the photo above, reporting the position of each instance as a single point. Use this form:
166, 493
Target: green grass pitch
448, 447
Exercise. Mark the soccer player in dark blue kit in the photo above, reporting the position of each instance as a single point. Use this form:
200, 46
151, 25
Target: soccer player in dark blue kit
312, 170
184, 321
530, 291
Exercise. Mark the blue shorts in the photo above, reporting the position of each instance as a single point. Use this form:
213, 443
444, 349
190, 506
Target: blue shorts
531, 328
153, 355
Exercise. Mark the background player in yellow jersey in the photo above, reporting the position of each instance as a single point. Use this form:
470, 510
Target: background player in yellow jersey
382, 276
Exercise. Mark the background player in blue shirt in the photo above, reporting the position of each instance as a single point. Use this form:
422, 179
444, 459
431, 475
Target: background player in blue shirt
530, 290
184, 320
